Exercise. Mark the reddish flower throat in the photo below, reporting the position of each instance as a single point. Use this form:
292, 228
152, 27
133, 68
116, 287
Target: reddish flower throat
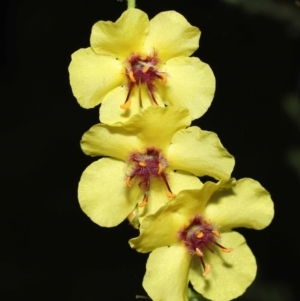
148, 165
143, 71
200, 236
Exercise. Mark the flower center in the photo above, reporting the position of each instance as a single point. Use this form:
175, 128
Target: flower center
199, 236
148, 165
142, 71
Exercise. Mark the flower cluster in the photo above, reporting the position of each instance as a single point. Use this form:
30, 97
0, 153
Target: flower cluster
150, 90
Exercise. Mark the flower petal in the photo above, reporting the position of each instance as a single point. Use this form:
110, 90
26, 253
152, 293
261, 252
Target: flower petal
201, 153
92, 76
178, 181
156, 125
112, 114
160, 229
157, 230
247, 204
166, 278
123, 37
172, 35
191, 84
103, 195
104, 140
231, 273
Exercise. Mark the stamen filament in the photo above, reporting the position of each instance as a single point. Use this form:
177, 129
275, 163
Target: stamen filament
166, 182
169, 192
210, 249
206, 267
127, 102
145, 201
154, 102
223, 249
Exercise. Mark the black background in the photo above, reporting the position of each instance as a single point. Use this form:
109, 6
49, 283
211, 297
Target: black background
49, 249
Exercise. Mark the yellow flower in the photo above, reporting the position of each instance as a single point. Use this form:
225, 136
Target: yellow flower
151, 156
192, 239
136, 63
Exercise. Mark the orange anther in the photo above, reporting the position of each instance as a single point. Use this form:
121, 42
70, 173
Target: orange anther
206, 270
226, 250
144, 202
128, 181
126, 105
146, 68
143, 164
170, 194
160, 168
199, 235
216, 233
131, 76
199, 253
163, 78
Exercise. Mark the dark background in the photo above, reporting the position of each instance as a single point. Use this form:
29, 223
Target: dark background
49, 249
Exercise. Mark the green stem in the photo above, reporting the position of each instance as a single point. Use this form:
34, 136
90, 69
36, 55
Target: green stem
130, 3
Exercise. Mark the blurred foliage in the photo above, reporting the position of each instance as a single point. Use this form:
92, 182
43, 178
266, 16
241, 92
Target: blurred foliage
291, 104
284, 11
